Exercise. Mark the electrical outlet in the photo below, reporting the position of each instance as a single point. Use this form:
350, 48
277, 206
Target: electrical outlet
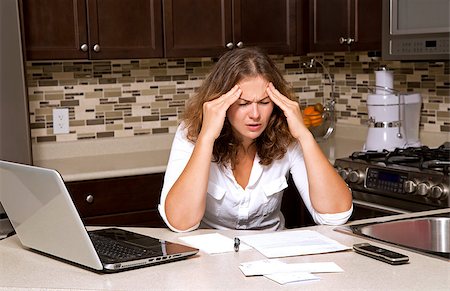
60, 120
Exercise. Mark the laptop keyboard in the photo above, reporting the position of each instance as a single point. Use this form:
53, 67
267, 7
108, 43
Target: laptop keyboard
115, 250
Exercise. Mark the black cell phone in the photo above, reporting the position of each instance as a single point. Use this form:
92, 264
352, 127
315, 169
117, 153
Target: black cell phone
381, 254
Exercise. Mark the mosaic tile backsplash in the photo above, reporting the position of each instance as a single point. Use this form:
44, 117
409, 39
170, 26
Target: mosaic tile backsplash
123, 98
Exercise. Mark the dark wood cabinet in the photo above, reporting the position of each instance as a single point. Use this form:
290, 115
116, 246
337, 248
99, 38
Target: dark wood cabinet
123, 201
294, 210
341, 25
54, 29
94, 29
210, 27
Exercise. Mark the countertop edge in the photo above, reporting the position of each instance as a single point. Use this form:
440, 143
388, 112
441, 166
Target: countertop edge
138, 155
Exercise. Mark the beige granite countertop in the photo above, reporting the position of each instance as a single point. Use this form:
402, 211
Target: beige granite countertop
22, 269
109, 165
107, 158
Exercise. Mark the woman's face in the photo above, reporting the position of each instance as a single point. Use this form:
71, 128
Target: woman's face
250, 114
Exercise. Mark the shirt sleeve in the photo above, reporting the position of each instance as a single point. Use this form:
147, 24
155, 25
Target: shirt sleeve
300, 177
180, 154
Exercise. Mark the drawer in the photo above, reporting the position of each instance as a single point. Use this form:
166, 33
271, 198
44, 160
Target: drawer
116, 195
146, 218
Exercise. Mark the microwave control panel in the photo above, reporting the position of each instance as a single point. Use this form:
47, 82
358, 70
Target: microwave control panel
417, 46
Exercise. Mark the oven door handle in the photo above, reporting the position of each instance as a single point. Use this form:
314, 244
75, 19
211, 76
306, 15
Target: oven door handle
379, 207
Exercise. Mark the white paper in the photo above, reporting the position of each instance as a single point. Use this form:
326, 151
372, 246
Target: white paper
213, 243
283, 278
273, 266
292, 243
262, 267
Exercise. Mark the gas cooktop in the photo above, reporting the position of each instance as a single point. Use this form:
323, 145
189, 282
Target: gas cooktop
422, 158
418, 175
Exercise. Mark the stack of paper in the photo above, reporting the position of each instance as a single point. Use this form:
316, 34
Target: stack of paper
283, 273
292, 243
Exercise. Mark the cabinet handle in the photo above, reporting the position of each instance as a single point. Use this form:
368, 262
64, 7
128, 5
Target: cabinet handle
90, 198
84, 47
347, 41
96, 48
230, 45
240, 44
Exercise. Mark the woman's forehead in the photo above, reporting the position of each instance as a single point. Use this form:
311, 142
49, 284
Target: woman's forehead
253, 88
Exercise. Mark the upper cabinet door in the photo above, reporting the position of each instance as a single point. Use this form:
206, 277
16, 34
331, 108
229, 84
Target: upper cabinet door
197, 27
125, 28
341, 25
54, 29
95, 29
210, 27
269, 24
329, 22
367, 24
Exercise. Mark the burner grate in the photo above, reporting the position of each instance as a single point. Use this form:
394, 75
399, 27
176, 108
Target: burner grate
422, 157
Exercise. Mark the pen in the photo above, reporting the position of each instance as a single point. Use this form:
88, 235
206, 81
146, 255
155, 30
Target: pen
237, 242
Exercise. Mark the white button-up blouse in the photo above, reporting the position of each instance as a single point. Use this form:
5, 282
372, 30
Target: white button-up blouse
229, 206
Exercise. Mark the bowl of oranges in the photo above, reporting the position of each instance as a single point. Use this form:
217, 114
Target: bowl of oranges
318, 120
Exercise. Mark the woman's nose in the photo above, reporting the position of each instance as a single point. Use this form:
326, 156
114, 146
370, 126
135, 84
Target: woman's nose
254, 110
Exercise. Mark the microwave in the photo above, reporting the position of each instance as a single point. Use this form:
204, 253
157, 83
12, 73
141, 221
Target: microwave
415, 30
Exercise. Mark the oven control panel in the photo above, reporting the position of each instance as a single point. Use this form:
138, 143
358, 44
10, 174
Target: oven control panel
383, 180
395, 182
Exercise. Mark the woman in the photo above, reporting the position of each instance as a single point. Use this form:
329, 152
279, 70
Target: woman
240, 136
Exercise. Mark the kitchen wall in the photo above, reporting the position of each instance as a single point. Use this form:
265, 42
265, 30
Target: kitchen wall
120, 98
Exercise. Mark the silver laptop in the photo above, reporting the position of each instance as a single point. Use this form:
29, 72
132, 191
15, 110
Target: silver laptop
45, 219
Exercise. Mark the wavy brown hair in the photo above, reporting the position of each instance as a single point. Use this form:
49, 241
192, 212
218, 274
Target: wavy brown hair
231, 68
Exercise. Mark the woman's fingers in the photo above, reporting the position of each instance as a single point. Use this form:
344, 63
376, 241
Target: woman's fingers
214, 111
271, 91
230, 97
290, 108
282, 101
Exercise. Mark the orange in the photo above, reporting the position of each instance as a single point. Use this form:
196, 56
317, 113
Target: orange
306, 121
316, 122
309, 110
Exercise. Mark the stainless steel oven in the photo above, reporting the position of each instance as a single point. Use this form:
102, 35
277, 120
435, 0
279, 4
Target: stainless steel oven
399, 181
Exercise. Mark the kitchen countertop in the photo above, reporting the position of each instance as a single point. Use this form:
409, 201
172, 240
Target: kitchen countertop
24, 269
108, 158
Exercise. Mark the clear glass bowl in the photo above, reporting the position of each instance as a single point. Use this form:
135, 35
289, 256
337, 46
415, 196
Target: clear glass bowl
321, 125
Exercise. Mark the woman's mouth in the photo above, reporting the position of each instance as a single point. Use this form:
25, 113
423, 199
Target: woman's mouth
254, 127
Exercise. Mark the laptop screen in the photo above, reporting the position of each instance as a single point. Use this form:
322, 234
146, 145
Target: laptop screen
45, 219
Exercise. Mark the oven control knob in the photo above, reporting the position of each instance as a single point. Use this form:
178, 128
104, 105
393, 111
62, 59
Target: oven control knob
356, 176
422, 188
343, 173
439, 192
410, 186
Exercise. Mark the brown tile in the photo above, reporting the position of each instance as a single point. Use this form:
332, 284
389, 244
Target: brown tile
150, 118
160, 130
95, 121
46, 138
70, 103
105, 134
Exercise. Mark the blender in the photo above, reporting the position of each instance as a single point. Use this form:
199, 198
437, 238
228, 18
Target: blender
394, 117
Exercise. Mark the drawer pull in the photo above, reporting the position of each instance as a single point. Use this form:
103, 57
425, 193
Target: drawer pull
89, 198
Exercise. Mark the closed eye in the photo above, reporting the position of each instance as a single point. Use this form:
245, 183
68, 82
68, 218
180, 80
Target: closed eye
265, 101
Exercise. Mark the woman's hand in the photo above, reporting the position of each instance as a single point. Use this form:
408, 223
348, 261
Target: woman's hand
291, 110
214, 113
186, 201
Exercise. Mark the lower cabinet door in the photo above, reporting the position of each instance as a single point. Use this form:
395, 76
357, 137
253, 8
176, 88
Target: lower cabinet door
122, 201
